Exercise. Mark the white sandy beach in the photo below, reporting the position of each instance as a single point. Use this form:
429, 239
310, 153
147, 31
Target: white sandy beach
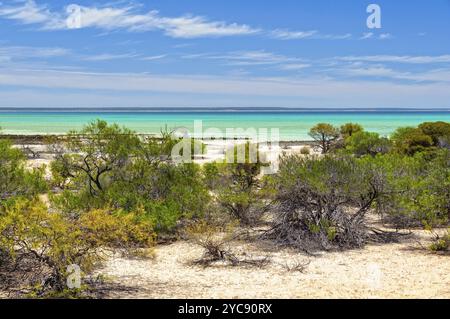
215, 151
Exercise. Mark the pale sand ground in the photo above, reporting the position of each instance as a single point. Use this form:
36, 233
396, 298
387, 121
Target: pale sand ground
399, 270
215, 151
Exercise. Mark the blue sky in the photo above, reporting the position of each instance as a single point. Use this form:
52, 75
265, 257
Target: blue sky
199, 53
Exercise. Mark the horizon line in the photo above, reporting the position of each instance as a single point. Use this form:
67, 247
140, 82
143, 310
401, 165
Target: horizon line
219, 109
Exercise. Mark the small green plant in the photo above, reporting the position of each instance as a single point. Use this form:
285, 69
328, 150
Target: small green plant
237, 186
306, 150
441, 243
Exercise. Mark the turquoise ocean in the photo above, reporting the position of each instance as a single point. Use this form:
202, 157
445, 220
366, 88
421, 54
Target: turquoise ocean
293, 125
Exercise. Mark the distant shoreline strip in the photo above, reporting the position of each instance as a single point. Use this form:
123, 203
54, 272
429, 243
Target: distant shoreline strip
222, 110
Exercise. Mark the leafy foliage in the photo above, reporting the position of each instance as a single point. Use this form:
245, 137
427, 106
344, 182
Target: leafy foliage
438, 131
349, 129
325, 135
15, 180
56, 240
237, 186
322, 202
410, 140
441, 243
418, 189
111, 167
366, 143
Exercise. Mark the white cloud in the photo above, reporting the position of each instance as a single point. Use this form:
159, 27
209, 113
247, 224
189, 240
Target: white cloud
367, 35
294, 67
312, 34
28, 12
110, 18
108, 57
129, 18
437, 75
373, 71
254, 58
9, 53
153, 57
194, 27
310, 91
336, 36
381, 71
399, 59
293, 35
385, 36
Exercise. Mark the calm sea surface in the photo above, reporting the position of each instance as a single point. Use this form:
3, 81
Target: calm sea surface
292, 125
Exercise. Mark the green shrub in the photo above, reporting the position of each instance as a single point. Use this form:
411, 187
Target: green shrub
236, 185
438, 131
441, 243
366, 143
55, 241
108, 166
306, 150
322, 202
418, 189
324, 135
349, 129
410, 140
15, 180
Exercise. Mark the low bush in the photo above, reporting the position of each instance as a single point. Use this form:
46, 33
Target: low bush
109, 166
349, 129
322, 202
441, 243
55, 241
418, 189
15, 179
306, 150
238, 188
410, 140
438, 131
366, 143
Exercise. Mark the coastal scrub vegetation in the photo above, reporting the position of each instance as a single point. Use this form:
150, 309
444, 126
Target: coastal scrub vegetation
322, 202
109, 188
240, 190
325, 135
108, 166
